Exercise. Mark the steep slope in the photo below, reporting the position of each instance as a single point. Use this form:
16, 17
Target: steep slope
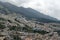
29, 13
15, 24
14, 28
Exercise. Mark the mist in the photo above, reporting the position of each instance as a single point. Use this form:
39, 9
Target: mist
48, 7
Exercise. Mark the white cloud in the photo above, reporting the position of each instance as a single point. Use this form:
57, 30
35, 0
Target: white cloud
49, 7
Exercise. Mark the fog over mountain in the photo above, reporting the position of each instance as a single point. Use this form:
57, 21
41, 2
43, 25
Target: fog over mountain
48, 7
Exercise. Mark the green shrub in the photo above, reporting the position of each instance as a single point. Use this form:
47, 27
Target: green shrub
2, 19
2, 26
40, 31
12, 28
16, 37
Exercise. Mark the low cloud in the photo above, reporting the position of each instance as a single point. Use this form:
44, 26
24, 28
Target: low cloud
48, 7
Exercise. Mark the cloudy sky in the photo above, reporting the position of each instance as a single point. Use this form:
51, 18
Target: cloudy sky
48, 7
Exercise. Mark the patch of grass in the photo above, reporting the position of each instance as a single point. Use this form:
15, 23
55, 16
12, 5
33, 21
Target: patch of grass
2, 19
12, 27
2, 26
40, 31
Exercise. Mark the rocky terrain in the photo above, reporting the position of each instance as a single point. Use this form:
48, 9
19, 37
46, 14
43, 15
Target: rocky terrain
15, 26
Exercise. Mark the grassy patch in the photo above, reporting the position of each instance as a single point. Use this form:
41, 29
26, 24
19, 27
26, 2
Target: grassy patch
2, 26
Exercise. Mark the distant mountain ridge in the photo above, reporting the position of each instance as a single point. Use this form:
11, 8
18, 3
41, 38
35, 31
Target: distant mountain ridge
28, 12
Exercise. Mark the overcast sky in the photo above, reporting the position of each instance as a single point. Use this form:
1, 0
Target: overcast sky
48, 7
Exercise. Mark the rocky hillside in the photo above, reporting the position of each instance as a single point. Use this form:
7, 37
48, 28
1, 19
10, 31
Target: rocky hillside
15, 26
